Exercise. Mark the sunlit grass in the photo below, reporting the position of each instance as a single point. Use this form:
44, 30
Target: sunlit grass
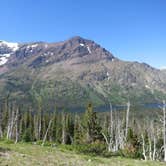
32, 155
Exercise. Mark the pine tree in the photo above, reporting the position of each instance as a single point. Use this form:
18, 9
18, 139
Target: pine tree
78, 131
91, 125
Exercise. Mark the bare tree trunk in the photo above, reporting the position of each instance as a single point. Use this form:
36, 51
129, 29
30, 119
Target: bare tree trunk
39, 117
45, 136
110, 130
107, 142
11, 124
63, 136
150, 149
154, 148
64, 129
16, 123
143, 147
39, 127
153, 137
111, 121
127, 118
121, 136
1, 132
17, 134
36, 127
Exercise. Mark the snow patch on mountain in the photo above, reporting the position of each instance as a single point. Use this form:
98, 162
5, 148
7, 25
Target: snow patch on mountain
89, 50
12, 46
34, 45
81, 44
147, 86
4, 58
108, 76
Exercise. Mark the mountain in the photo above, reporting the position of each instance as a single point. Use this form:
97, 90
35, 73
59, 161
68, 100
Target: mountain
73, 72
163, 70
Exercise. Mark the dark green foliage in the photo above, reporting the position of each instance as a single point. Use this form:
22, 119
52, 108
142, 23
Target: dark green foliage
91, 149
78, 131
27, 135
92, 129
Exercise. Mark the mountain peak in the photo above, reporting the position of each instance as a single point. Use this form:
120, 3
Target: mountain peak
87, 50
75, 50
79, 40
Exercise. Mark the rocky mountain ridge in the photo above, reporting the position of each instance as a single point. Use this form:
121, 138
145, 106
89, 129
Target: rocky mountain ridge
75, 71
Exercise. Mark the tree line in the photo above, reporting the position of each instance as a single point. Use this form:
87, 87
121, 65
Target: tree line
118, 132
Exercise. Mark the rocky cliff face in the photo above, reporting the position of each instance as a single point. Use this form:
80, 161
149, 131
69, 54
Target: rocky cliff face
74, 72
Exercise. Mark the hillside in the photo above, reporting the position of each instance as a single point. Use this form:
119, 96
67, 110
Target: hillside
72, 72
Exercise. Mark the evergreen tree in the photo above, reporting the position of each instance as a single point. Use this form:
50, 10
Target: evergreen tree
78, 132
91, 125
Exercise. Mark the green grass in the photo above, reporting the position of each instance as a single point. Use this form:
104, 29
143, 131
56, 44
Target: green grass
33, 155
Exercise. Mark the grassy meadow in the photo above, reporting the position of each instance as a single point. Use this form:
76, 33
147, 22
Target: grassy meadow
23, 154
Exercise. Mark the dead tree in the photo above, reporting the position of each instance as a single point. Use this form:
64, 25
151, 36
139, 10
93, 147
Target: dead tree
17, 126
39, 122
36, 133
152, 141
163, 120
150, 147
116, 135
45, 136
143, 147
142, 129
1, 131
127, 118
11, 123
109, 141
119, 136
154, 145
64, 132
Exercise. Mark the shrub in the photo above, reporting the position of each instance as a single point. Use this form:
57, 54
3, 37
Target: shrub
27, 135
130, 152
91, 149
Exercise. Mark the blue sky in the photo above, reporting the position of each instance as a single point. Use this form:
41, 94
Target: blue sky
132, 30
